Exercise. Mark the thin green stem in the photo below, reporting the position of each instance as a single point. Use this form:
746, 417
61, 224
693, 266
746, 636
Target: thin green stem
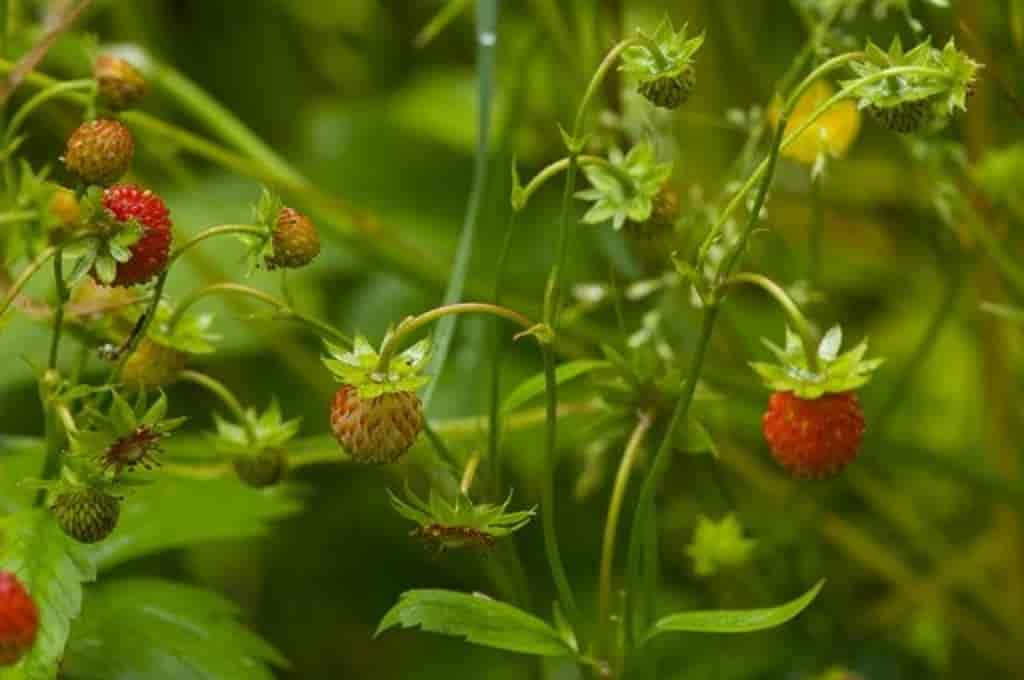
442, 449
547, 505
633, 448
55, 91
18, 216
58, 316
796, 317
147, 320
25, 275
227, 397
221, 230
847, 91
497, 354
645, 503
54, 434
414, 323
321, 328
823, 70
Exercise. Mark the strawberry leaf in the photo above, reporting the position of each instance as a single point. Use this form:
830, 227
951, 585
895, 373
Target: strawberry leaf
52, 568
478, 619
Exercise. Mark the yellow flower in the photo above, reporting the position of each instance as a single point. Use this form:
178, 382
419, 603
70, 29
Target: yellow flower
832, 134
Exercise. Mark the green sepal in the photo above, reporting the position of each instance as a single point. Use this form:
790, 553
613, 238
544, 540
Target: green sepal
358, 368
270, 428
191, 334
678, 50
618, 201
719, 545
835, 372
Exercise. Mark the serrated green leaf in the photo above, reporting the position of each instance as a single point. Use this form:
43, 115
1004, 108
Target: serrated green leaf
478, 619
52, 569
734, 621
534, 386
147, 628
177, 512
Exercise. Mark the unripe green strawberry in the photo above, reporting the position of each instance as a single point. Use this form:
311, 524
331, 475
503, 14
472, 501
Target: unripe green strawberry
669, 92
377, 430
265, 468
100, 151
19, 619
905, 117
153, 364
664, 213
86, 514
295, 240
120, 85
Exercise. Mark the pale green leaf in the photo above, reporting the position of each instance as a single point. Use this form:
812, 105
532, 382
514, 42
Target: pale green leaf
534, 386
734, 621
478, 619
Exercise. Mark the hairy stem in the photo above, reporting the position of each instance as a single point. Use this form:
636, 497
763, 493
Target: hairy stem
226, 396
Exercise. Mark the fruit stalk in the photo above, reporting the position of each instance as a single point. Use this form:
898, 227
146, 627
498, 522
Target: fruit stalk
227, 397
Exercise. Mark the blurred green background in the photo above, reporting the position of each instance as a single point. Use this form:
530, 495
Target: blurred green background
922, 541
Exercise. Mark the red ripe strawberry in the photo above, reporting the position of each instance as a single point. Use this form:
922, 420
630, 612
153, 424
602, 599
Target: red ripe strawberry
149, 254
813, 438
19, 619
377, 430
100, 151
814, 424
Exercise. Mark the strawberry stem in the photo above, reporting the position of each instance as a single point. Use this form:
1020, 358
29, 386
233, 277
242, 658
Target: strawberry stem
778, 293
221, 230
227, 397
414, 323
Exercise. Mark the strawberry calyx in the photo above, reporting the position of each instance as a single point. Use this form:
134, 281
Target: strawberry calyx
835, 373
460, 522
663, 63
360, 368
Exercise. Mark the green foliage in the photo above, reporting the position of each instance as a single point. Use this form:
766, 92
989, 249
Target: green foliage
178, 512
52, 568
677, 52
478, 619
624, 189
358, 368
734, 621
461, 522
835, 372
147, 628
270, 428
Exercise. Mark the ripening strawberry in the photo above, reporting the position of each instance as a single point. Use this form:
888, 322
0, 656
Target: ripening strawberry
19, 619
813, 438
664, 214
86, 514
376, 430
669, 91
100, 151
119, 84
128, 202
153, 364
814, 425
294, 239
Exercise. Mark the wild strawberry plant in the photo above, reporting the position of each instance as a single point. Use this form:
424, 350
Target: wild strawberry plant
106, 481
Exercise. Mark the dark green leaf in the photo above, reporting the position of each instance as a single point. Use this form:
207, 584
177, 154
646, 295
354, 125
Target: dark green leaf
148, 628
52, 568
734, 621
177, 512
478, 619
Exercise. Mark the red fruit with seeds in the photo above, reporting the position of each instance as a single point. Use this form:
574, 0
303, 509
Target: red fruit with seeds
813, 438
19, 619
100, 151
128, 202
376, 430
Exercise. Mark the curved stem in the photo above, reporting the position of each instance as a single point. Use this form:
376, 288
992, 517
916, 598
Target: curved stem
227, 397
414, 323
632, 451
223, 229
16, 216
792, 310
826, 68
322, 328
595, 81
54, 91
25, 275
521, 197
645, 503
143, 330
